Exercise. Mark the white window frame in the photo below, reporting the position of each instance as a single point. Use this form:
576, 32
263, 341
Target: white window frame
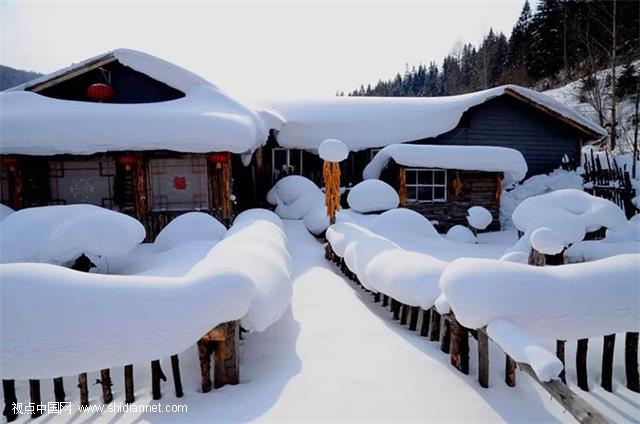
433, 185
288, 161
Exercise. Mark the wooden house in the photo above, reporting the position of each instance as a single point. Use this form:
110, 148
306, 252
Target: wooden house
129, 132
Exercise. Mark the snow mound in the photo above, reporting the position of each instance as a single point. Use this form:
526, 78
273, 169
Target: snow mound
479, 217
332, 150
5, 211
409, 277
59, 234
518, 257
403, 221
340, 234
564, 302
189, 227
299, 198
461, 234
570, 213
360, 251
252, 215
372, 196
442, 305
469, 158
348, 215
546, 241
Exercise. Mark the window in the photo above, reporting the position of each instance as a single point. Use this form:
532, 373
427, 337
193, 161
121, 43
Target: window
82, 181
426, 185
179, 184
285, 162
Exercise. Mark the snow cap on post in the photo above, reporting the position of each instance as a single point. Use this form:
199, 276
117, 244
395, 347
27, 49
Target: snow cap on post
479, 217
332, 150
547, 241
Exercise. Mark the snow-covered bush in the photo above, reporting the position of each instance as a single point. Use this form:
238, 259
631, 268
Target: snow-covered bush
461, 234
479, 217
297, 197
372, 196
59, 234
189, 227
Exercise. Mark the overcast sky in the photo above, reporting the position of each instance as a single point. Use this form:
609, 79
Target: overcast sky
255, 50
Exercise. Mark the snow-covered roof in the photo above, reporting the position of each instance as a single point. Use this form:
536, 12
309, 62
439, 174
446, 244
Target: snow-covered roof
205, 120
468, 158
365, 122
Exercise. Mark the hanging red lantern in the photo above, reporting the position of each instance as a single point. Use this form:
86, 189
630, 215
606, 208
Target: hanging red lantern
100, 92
130, 159
218, 157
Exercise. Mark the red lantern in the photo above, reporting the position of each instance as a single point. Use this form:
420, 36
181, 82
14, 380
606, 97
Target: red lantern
100, 92
130, 159
218, 157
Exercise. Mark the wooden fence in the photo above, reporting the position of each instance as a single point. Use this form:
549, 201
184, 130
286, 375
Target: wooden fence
454, 338
222, 342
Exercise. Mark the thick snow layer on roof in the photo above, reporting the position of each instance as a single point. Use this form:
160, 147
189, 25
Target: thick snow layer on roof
59, 234
468, 158
363, 122
564, 302
205, 120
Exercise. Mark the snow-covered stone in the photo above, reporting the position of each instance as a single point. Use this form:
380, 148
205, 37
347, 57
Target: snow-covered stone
546, 241
470, 158
372, 196
461, 234
332, 150
479, 217
189, 227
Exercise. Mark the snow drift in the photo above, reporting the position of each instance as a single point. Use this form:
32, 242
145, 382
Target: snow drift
372, 196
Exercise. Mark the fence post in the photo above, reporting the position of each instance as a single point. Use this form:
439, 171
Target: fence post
105, 382
581, 364
385, 300
434, 330
84, 389
404, 314
175, 369
459, 345
483, 358
129, 396
631, 361
560, 344
156, 376
426, 317
607, 362
395, 308
58, 389
510, 371
9, 390
34, 395
376, 297
445, 340
413, 321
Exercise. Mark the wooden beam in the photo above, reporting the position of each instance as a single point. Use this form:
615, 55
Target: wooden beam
72, 73
576, 406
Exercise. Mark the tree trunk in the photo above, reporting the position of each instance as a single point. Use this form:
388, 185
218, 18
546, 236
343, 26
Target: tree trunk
483, 359
607, 362
58, 389
631, 362
129, 396
105, 381
581, 364
613, 77
84, 389
175, 369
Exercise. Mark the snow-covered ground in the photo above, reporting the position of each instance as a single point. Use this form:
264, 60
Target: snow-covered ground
337, 356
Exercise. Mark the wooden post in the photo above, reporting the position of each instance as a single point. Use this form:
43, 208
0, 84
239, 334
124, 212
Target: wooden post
129, 396
607, 362
426, 318
34, 396
510, 371
413, 321
483, 359
10, 399
560, 354
404, 315
84, 389
58, 389
631, 361
459, 345
434, 330
445, 341
376, 297
105, 381
395, 308
175, 369
156, 376
385, 300
581, 364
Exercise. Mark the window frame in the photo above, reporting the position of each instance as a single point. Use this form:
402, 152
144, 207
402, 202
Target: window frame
432, 185
288, 152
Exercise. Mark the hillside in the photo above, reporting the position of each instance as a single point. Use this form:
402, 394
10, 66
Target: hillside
10, 77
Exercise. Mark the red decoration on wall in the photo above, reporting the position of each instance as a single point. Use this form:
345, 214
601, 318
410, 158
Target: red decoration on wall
130, 159
180, 183
218, 157
100, 92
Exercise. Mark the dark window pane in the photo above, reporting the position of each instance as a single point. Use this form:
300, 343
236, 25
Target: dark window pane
438, 193
411, 194
425, 177
410, 177
425, 194
439, 177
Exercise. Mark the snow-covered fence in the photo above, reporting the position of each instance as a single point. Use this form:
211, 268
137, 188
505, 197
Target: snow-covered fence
245, 279
450, 298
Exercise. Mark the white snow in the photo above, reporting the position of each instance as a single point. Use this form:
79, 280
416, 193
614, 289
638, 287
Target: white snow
479, 217
297, 197
469, 158
402, 221
564, 302
546, 241
363, 122
59, 234
332, 150
523, 348
372, 196
205, 120
5, 211
188, 227
461, 234
518, 257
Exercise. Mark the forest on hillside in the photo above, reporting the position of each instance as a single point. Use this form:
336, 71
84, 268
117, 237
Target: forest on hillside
559, 42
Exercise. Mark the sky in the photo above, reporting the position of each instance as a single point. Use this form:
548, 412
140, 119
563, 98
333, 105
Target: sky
254, 50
